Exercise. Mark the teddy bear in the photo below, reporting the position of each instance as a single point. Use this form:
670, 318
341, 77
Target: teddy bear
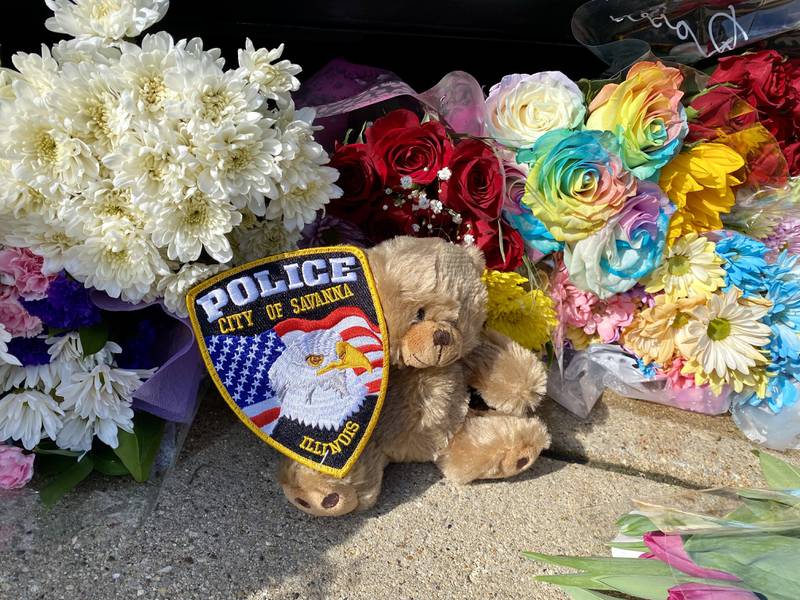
434, 304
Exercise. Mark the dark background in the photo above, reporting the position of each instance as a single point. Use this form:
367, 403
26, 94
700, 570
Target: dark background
419, 40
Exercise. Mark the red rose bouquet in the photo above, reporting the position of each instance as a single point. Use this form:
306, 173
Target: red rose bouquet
406, 176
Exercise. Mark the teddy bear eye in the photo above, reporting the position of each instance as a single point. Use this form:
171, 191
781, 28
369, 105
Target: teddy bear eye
421, 314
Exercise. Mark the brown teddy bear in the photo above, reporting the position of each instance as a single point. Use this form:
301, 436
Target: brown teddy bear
434, 304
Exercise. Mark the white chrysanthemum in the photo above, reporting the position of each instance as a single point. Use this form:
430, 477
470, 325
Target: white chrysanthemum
87, 97
46, 239
7, 79
142, 70
27, 416
5, 357
207, 96
39, 71
195, 223
275, 81
124, 265
76, 434
299, 207
44, 154
65, 348
256, 239
152, 161
101, 397
173, 287
102, 210
21, 200
89, 50
108, 19
241, 164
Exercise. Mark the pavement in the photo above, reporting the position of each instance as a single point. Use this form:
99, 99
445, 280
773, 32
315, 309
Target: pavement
219, 527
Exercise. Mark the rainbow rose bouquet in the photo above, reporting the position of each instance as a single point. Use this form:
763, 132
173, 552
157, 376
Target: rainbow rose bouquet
662, 217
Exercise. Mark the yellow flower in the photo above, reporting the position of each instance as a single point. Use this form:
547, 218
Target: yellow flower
690, 268
654, 331
699, 181
579, 339
526, 316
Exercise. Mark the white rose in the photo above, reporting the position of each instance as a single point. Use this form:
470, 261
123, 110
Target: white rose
522, 108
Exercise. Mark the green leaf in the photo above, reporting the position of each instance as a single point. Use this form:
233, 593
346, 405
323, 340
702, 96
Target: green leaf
580, 580
66, 481
108, 463
603, 565
635, 525
579, 594
93, 339
655, 587
56, 452
137, 450
766, 563
637, 546
779, 474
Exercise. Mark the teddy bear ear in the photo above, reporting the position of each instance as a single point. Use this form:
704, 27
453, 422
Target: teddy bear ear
477, 258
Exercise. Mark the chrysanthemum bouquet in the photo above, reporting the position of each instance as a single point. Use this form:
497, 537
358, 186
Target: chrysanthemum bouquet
128, 172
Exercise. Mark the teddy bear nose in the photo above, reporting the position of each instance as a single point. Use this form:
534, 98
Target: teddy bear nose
330, 500
441, 338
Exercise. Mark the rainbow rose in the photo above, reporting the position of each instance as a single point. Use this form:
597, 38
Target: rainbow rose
644, 112
576, 183
628, 248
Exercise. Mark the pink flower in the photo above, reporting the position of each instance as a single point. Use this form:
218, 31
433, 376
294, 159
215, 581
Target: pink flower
702, 591
17, 321
610, 317
669, 549
16, 468
24, 269
676, 379
584, 310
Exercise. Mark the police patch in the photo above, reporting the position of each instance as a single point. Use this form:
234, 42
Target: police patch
297, 346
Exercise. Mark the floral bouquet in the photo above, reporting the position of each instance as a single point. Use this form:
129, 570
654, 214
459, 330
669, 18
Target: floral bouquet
736, 544
128, 172
623, 193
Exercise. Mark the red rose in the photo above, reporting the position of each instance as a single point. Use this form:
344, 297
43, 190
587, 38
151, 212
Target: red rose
402, 147
359, 181
719, 110
386, 223
792, 154
486, 236
761, 78
475, 186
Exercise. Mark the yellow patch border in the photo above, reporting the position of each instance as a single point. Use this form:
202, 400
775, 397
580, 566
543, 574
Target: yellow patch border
201, 287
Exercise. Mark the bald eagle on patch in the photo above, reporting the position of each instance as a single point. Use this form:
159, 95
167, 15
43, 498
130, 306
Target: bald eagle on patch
315, 382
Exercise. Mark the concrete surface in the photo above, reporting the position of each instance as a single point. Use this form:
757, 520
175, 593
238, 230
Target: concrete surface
221, 528
659, 441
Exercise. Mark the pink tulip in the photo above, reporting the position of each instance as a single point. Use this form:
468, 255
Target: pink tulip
669, 549
16, 468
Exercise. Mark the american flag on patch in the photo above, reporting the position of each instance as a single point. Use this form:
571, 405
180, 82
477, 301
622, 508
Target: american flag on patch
243, 362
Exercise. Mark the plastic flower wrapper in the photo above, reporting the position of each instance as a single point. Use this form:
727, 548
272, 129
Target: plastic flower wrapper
726, 544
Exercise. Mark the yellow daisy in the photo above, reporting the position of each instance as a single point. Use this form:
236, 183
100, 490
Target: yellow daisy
690, 268
526, 316
724, 342
653, 333
699, 182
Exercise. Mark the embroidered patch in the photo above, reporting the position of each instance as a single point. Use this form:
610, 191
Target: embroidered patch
297, 346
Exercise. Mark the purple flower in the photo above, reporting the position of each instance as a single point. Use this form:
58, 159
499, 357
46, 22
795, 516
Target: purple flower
701, 591
31, 352
67, 305
332, 231
669, 549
